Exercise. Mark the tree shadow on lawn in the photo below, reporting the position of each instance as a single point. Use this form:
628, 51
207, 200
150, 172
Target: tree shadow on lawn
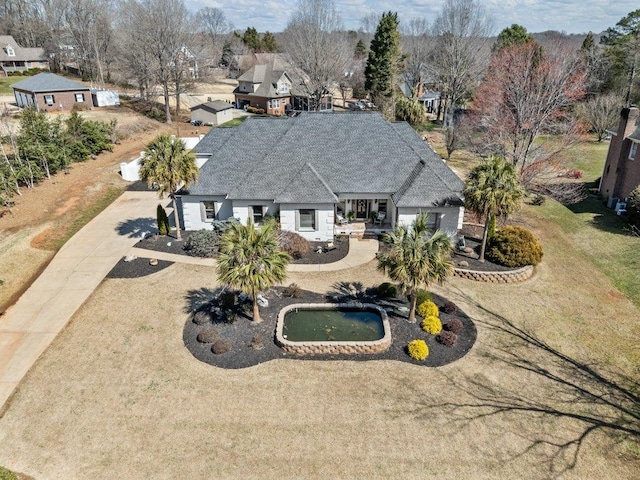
604, 218
137, 228
551, 386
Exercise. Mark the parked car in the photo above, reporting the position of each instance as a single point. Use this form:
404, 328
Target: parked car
196, 123
356, 105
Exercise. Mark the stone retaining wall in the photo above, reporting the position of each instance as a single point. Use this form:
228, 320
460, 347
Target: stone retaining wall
510, 276
316, 348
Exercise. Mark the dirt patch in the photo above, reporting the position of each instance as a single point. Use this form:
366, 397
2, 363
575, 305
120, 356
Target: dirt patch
44, 216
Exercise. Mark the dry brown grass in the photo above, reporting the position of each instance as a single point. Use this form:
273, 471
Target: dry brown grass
117, 395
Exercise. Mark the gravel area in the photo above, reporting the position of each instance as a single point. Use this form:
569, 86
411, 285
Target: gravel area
241, 332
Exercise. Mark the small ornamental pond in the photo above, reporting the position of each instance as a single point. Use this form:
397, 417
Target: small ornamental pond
333, 328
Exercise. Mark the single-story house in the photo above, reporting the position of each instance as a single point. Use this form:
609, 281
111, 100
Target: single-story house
621, 174
214, 113
315, 169
51, 92
14, 58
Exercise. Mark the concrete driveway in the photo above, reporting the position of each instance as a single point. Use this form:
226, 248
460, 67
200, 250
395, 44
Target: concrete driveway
28, 327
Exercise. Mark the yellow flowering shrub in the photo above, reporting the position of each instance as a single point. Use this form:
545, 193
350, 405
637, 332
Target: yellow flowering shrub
418, 349
432, 325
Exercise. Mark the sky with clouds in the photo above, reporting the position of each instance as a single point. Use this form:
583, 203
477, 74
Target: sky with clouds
571, 16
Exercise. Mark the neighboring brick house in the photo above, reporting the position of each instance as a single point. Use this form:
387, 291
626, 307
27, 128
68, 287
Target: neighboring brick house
621, 172
50, 92
264, 86
214, 113
14, 58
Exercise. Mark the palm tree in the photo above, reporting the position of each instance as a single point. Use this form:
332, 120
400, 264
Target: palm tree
167, 163
415, 258
492, 190
251, 260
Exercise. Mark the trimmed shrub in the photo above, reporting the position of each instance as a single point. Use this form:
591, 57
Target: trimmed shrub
428, 309
454, 325
220, 346
257, 342
633, 207
431, 325
449, 308
294, 244
203, 243
418, 349
423, 296
446, 338
227, 299
515, 247
292, 291
6, 474
201, 317
163, 221
387, 290
207, 335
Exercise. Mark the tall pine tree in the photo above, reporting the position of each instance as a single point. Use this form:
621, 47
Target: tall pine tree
384, 64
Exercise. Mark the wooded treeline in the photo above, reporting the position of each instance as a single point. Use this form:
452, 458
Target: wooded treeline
511, 86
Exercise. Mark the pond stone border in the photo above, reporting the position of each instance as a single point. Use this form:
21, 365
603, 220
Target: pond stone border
338, 347
510, 276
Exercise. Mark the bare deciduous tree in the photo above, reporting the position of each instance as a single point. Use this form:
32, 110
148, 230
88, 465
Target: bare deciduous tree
460, 54
315, 43
415, 46
601, 112
528, 92
214, 23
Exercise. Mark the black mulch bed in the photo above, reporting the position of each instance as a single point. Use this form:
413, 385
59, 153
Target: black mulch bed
241, 332
472, 259
169, 244
139, 267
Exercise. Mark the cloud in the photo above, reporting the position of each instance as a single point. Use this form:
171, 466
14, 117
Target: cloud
536, 15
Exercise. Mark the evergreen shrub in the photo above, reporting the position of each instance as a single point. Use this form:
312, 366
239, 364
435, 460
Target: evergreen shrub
428, 309
431, 325
454, 325
163, 221
514, 247
418, 349
203, 243
387, 290
446, 338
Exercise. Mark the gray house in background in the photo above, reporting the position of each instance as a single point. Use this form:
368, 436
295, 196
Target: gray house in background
16, 59
214, 113
315, 169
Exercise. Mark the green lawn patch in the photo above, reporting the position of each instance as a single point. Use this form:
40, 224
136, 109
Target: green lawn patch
603, 237
233, 123
6, 82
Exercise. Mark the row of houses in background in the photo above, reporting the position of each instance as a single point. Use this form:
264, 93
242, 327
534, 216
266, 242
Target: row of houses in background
49, 92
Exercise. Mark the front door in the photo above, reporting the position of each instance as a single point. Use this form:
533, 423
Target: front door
362, 209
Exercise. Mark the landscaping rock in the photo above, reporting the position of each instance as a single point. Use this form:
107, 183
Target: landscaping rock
153, 262
200, 318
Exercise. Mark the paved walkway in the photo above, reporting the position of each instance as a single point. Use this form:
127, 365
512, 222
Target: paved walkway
29, 326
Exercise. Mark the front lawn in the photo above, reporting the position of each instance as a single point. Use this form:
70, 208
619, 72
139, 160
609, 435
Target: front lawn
6, 82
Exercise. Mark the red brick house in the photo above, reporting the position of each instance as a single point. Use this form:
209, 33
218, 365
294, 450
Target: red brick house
621, 174
49, 92
264, 86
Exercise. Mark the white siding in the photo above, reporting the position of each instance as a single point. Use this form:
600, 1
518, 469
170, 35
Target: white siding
450, 217
241, 208
193, 214
324, 220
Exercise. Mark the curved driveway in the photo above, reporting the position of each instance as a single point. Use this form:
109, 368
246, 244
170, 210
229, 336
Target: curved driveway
29, 326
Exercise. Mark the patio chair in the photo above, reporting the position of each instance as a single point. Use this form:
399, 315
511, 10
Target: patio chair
379, 218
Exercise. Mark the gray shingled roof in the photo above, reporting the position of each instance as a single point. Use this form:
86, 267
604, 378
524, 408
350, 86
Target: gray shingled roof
215, 106
49, 82
267, 75
316, 156
22, 54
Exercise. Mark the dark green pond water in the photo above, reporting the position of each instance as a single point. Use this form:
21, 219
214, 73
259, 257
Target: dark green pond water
342, 325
